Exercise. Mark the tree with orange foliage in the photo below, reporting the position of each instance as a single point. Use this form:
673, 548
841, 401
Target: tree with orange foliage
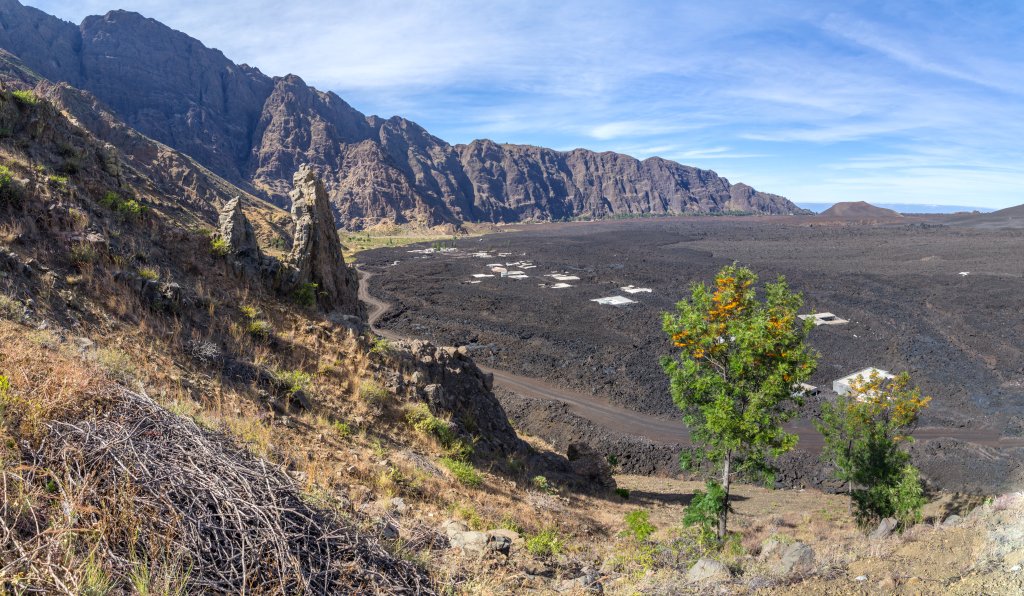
736, 373
864, 434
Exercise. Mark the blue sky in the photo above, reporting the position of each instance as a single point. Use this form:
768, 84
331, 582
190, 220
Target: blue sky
901, 102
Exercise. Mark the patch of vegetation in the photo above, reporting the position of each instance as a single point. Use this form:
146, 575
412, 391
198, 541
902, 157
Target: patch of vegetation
260, 329
545, 543
293, 381
372, 393
622, 492
380, 346
9, 191
463, 471
25, 96
125, 208
638, 525
83, 253
219, 247
256, 327
344, 429
149, 273
441, 430
118, 365
12, 310
704, 513
541, 483
305, 294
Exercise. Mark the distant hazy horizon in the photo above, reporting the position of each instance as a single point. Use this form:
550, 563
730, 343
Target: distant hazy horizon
905, 207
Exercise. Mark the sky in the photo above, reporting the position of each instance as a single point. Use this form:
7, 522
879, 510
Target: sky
820, 101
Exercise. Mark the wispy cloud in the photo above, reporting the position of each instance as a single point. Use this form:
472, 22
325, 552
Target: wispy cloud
895, 102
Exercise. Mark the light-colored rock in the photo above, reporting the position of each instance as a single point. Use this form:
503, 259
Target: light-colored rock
797, 559
708, 570
235, 229
470, 542
951, 521
886, 527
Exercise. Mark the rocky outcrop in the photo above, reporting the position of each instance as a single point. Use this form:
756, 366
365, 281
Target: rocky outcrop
316, 252
254, 130
235, 229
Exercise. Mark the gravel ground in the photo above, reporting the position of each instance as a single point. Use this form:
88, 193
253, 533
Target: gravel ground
960, 336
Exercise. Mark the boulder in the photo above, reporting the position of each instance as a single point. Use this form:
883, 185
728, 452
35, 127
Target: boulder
951, 521
316, 251
235, 229
470, 542
590, 465
797, 559
886, 527
708, 570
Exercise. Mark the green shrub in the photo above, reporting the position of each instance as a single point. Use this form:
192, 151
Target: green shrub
10, 193
260, 329
463, 471
305, 294
541, 483
545, 543
622, 492
82, 253
149, 273
380, 346
293, 381
249, 312
219, 247
11, 309
638, 525
126, 208
704, 511
372, 393
25, 96
343, 429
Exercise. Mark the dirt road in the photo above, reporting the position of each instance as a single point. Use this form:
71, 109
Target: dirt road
629, 422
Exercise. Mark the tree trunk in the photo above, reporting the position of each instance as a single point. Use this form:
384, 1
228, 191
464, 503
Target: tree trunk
723, 517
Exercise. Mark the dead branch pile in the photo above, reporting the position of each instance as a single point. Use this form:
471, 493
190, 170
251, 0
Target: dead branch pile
139, 480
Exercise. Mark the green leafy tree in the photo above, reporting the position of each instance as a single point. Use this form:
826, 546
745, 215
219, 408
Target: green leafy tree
735, 373
864, 434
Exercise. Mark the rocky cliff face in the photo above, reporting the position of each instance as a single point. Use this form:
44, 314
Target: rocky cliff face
316, 253
254, 130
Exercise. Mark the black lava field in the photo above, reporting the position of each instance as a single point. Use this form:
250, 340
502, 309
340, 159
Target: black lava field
944, 303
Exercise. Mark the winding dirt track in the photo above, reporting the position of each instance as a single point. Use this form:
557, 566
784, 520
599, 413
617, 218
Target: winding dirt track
659, 430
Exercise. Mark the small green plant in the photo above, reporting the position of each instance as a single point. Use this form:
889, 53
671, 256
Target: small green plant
149, 273
344, 429
12, 310
82, 253
219, 247
60, 182
9, 191
25, 96
249, 312
622, 492
463, 471
541, 483
293, 381
704, 512
545, 543
305, 294
125, 208
380, 346
260, 329
638, 525
372, 393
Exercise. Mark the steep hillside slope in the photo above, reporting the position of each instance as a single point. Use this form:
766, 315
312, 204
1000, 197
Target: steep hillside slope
254, 130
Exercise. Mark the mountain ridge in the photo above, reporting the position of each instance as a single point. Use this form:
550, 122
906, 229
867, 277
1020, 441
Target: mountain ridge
255, 130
